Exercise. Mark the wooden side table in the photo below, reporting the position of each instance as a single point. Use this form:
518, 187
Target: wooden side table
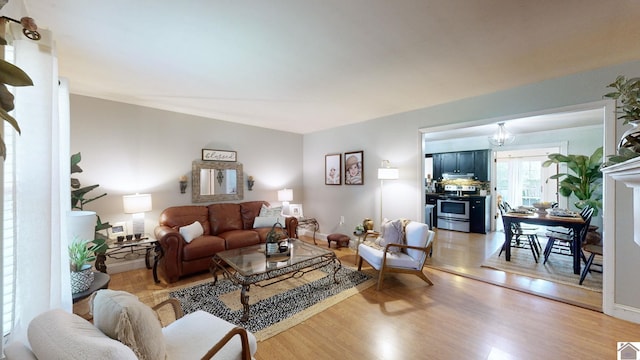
309, 223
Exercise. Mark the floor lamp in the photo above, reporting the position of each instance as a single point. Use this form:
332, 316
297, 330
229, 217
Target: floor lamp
386, 172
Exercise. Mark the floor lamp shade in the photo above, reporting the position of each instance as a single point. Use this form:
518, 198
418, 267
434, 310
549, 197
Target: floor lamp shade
137, 205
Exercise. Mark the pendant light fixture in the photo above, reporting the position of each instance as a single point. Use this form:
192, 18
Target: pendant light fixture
502, 137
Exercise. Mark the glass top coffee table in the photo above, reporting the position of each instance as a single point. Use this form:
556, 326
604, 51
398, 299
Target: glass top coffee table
250, 266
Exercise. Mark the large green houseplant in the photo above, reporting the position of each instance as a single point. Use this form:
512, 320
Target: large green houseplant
627, 94
584, 179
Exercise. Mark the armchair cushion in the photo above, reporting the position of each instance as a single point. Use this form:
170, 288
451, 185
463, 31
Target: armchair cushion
375, 257
192, 231
391, 232
57, 334
121, 316
191, 337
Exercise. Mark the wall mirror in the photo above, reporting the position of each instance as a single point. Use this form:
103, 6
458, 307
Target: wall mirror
216, 181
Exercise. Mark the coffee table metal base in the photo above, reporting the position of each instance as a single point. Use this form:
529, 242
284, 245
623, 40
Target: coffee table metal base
270, 277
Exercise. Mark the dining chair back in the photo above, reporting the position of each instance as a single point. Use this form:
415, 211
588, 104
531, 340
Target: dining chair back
563, 243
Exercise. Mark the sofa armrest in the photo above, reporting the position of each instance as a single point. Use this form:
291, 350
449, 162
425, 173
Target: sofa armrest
291, 225
244, 339
171, 243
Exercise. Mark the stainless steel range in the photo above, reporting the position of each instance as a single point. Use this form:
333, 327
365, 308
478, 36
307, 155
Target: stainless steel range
453, 210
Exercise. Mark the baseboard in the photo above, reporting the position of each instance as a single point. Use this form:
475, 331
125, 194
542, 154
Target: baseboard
118, 266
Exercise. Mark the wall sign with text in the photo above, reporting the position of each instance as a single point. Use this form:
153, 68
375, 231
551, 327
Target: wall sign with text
218, 155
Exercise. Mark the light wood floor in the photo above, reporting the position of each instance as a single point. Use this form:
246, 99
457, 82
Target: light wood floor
458, 317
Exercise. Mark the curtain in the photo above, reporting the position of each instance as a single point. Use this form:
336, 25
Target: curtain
42, 185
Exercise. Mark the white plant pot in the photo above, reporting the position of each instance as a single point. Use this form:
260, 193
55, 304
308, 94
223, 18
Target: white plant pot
82, 280
81, 225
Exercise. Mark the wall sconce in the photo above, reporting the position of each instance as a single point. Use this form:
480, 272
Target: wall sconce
250, 183
284, 196
183, 184
137, 205
386, 172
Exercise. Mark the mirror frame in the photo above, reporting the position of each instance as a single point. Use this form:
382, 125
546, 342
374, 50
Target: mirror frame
197, 165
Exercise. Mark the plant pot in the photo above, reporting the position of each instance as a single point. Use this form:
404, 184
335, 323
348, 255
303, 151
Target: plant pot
81, 280
631, 138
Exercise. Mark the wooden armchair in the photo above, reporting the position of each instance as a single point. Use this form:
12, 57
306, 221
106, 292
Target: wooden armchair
178, 313
409, 260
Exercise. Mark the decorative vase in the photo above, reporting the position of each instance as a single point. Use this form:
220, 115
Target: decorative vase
81, 280
368, 224
631, 138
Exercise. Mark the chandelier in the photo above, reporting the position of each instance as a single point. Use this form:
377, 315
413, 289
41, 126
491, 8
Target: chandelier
501, 137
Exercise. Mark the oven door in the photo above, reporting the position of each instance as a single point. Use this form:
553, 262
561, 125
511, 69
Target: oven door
453, 209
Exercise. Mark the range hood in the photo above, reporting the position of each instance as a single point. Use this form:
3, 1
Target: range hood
453, 176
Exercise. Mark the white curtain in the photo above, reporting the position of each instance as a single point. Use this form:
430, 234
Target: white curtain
42, 185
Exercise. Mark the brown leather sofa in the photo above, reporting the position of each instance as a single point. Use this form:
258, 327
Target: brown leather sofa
226, 226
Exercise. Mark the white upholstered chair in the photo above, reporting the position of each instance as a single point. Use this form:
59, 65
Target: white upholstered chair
409, 260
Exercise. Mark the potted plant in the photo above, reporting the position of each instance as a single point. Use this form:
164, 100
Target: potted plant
627, 95
584, 181
359, 230
81, 254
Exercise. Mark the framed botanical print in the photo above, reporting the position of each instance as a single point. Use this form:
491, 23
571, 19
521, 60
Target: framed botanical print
333, 169
353, 168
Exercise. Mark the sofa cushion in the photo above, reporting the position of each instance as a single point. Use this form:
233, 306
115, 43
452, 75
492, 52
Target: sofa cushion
176, 217
250, 210
121, 316
224, 217
270, 211
268, 221
197, 332
240, 238
192, 231
203, 246
57, 334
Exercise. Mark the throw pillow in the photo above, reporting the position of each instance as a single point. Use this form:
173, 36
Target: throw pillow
121, 316
270, 211
192, 231
391, 232
267, 221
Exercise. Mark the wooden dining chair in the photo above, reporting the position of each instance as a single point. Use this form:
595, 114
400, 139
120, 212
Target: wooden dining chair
563, 243
593, 249
519, 231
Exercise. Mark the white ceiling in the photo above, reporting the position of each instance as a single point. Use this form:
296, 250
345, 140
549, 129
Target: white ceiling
308, 65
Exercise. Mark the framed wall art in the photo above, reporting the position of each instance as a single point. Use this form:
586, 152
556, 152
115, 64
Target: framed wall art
218, 155
354, 168
333, 169
118, 229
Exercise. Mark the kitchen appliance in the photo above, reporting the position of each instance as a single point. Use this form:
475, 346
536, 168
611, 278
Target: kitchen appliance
453, 214
453, 209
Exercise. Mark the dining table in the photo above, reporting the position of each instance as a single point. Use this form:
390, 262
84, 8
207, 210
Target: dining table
535, 218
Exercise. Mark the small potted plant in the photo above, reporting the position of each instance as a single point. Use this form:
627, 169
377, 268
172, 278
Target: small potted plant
81, 254
359, 230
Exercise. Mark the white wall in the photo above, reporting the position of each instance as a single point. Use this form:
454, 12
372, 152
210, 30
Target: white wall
396, 138
128, 149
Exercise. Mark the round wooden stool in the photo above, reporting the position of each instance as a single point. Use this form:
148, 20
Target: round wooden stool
340, 239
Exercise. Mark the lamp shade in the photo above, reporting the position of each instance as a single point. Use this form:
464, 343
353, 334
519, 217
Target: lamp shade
285, 195
138, 203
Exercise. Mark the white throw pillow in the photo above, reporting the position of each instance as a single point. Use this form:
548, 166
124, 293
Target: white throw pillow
391, 232
121, 316
270, 211
192, 231
267, 221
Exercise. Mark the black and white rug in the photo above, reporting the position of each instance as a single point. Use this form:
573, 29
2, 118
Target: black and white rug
298, 301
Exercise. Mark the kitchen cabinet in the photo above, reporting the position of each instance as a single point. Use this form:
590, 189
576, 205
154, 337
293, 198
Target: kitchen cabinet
479, 214
460, 163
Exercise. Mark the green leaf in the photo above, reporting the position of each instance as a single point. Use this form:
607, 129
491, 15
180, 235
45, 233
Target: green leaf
13, 75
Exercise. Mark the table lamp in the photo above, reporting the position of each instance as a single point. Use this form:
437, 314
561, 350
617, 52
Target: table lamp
285, 196
137, 205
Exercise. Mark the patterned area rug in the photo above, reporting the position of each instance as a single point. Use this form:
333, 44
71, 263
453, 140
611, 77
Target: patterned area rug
559, 268
277, 307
